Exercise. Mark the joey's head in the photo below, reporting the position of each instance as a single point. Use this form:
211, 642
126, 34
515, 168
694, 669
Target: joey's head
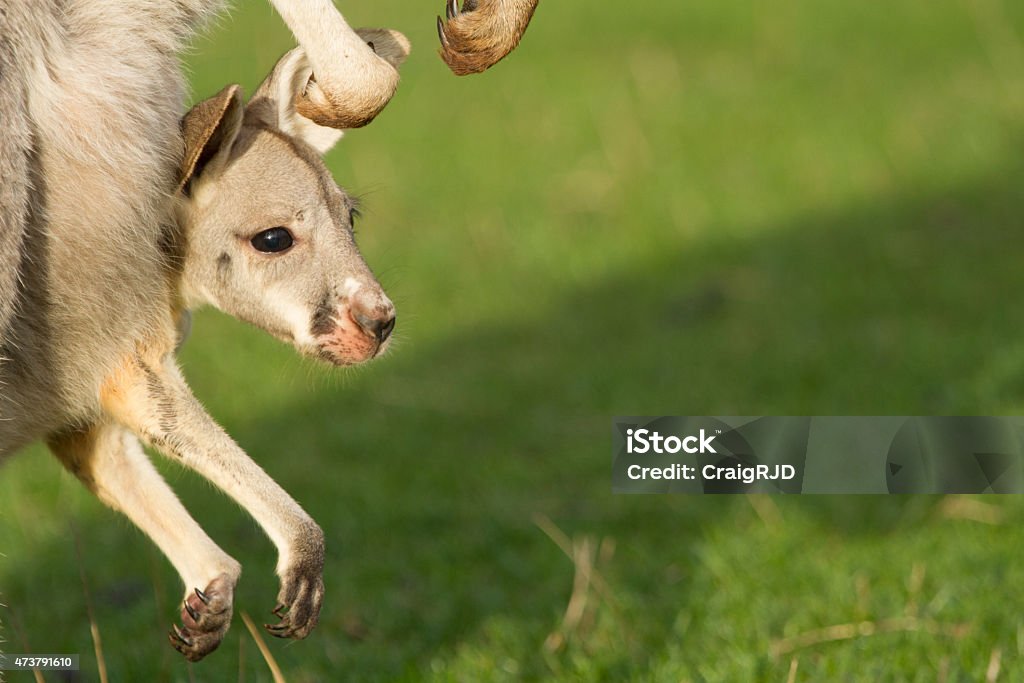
267, 234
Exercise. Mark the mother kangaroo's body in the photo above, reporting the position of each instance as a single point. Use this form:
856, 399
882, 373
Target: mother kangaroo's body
88, 166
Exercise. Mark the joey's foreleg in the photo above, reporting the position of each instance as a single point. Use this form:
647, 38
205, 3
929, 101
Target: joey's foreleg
482, 32
149, 396
110, 461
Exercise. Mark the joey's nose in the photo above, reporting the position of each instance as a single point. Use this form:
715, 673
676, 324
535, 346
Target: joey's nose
386, 329
378, 323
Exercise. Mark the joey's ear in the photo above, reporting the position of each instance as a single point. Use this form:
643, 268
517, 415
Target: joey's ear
293, 79
391, 46
210, 129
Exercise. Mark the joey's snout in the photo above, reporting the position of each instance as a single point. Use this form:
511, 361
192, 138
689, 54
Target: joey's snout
356, 327
377, 321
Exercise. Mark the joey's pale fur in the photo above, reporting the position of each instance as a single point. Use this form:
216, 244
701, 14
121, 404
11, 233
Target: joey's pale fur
115, 220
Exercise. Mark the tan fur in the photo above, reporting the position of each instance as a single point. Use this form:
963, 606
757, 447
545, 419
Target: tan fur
482, 33
115, 220
101, 160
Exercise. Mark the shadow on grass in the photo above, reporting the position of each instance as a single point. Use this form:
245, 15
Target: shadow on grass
427, 472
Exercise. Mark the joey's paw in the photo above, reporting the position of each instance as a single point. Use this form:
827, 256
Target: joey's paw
205, 618
298, 602
483, 32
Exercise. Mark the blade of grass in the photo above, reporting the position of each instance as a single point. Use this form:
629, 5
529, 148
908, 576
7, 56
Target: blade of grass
94, 629
275, 670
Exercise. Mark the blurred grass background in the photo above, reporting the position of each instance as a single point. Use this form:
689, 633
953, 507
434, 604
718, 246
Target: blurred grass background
812, 207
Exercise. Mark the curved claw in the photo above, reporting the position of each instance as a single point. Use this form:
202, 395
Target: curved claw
177, 644
279, 630
179, 635
203, 596
192, 612
440, 33
452, 9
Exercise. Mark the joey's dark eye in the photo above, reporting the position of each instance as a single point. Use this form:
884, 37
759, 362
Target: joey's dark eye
353, 215
272, 241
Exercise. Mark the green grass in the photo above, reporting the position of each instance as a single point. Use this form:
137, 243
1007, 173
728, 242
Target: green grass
665, 208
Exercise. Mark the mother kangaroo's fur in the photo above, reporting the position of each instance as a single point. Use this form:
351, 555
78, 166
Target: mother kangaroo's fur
87, 176
91, 155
